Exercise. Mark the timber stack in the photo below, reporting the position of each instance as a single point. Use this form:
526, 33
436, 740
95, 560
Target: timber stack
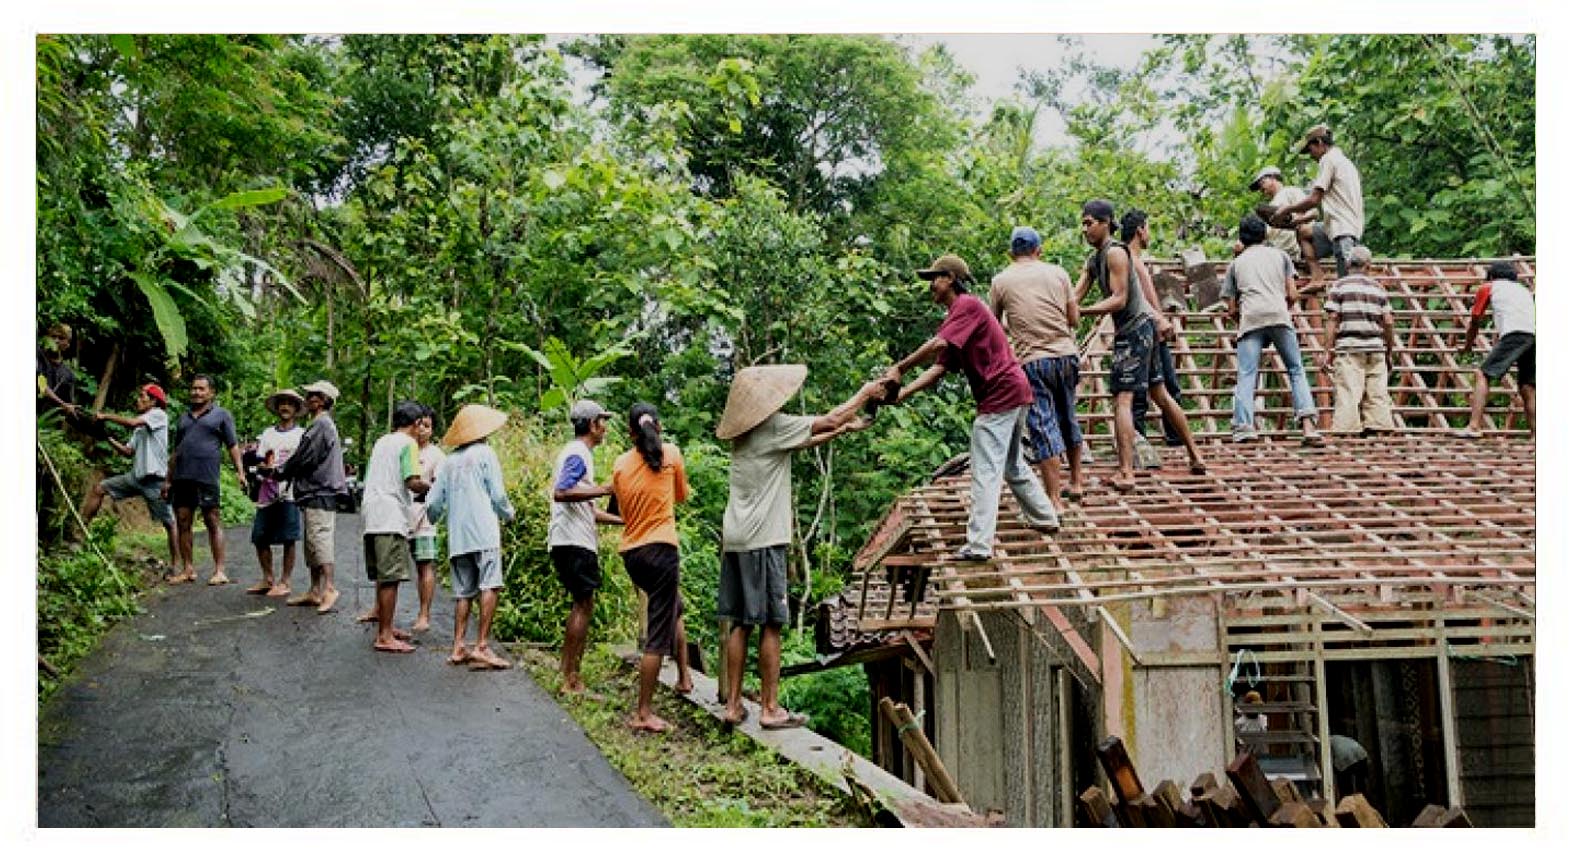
1249, 799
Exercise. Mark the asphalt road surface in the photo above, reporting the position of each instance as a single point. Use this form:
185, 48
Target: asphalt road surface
201, 712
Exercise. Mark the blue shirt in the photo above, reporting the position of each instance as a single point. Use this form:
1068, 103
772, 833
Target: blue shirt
470, 490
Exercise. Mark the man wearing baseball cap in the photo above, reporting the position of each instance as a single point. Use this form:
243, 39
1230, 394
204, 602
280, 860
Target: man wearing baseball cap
1302, 237
1035, 303
571, 531
971, 341
149, 452
317, 470
1337, 190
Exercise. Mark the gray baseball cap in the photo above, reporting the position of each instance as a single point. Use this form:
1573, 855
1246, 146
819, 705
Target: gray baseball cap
586, 410
1266, 171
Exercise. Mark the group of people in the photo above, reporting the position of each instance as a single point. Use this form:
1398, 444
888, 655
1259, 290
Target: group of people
1016, 347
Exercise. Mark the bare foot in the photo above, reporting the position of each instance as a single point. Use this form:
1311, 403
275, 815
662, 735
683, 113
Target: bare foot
280, 590
421, 626
649, 724
735, 718
401, 634
460, 655
369, 616
305, 599
328, 601
186, 576
218, 579
484, 659
396, 646
685, 684
261, 588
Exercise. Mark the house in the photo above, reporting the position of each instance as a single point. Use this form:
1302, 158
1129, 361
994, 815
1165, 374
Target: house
1381, 589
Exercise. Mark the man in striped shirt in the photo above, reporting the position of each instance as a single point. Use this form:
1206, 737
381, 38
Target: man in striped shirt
1358, 335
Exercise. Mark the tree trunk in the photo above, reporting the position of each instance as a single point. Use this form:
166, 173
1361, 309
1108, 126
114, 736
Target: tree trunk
104, 380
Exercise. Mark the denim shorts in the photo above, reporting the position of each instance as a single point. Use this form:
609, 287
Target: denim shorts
1135, 366
275, 524
1053, 416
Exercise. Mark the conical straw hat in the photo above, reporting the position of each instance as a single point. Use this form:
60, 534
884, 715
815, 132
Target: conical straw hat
474, 422
757, 392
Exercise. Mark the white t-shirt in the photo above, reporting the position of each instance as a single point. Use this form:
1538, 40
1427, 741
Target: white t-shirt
1257, 279
760, 484
385, 502
572, 524
431, 458
282, 444
1280, 238
1343, 195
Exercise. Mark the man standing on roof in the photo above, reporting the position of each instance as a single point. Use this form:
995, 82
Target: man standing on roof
1034, 301
278, 520
317, 473
1302, 237
1135, 362
1337, 190
203, 436
571, 531
1135, 234
1515, 318
149, 452
972, 341
1359, 333
758, 523
1260, 291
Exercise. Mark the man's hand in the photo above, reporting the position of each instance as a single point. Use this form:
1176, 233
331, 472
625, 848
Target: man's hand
164, 491
1167, 328
1329, 358
240, 475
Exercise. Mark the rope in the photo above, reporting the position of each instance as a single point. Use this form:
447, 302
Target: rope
1253, 679
913, 725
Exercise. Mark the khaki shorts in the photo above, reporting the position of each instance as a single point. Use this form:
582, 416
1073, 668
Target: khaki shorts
317, 533
388, 558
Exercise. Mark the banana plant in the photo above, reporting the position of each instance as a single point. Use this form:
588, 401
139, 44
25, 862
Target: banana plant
572, 378
182, 238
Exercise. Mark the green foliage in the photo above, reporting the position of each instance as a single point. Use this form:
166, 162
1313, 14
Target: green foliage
699, 774
79, 597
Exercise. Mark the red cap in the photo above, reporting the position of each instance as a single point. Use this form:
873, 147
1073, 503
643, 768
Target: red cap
156, 393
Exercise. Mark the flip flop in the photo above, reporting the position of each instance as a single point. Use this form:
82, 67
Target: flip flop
302, 601
259, 589
1072, 496
1121, 485
794, 719
728, 722
408, 648
219, 579
495, 663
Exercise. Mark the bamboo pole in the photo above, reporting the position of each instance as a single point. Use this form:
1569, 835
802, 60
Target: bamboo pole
917, 745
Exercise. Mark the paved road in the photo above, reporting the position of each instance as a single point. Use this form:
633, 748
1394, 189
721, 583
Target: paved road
196, 714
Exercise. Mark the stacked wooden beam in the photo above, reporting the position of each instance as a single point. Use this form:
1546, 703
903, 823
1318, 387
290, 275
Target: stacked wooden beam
1248, 799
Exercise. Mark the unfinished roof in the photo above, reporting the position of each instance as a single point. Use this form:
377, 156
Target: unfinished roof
1430, 383
1378, 536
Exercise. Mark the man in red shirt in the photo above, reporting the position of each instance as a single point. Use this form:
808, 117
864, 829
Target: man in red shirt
972, 341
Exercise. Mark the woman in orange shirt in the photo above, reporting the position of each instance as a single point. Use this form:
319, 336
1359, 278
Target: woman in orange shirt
647, 481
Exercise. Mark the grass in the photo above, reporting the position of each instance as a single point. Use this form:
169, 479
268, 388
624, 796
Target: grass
698, 774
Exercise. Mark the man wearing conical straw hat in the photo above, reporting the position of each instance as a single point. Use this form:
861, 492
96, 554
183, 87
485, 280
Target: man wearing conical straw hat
758, 522
469, 492
972, 341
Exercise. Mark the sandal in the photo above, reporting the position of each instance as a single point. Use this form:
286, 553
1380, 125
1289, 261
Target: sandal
794, 719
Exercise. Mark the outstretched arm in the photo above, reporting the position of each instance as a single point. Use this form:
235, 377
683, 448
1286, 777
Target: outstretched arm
926, 379
838, 420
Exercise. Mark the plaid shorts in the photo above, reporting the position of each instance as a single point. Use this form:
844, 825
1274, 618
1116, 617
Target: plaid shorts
1053, 416
424, 548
